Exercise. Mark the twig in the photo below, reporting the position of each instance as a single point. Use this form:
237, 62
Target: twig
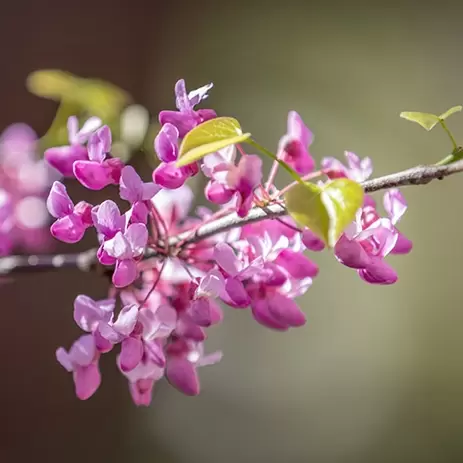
86, 261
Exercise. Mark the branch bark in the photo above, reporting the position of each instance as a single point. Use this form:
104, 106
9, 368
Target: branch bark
86, 261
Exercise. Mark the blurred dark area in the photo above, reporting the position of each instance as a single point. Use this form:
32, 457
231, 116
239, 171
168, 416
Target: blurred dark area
376, 375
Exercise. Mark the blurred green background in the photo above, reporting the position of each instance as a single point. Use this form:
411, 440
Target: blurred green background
376, 375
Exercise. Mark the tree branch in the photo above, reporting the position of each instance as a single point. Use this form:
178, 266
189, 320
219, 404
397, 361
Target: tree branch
86, 261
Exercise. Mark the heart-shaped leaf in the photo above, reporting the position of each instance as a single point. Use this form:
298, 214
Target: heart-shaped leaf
449, 112
209, 137
326, 210
426, 120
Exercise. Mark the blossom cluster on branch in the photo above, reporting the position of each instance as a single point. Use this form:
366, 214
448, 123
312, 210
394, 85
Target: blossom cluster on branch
166, 293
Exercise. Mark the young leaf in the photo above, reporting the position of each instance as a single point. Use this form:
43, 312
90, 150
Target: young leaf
449, 112
342, 199
209, 137
305, 206
326, 210
426, 120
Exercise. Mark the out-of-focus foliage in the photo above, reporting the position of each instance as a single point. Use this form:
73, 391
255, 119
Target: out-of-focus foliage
83, 97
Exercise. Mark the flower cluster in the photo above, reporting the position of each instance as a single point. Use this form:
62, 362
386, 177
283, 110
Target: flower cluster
168, 284
24, 182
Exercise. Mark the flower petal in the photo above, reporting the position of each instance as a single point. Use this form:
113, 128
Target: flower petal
83, 350
125, 273
107, 218
351, 253
137, 237
68, 229
226, 259
118, 247
378, 272
182, 375
59, 204
285, 310
126, 320
395, 204
296, 264
87, 380
131, 353
92, 175
62, 158
166, 143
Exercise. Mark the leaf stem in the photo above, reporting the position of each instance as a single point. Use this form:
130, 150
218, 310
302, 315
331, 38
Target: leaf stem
268, 153
449, 133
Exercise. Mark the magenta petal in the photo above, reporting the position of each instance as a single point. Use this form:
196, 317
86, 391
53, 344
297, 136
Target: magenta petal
184, 122
84, 211
126, 319
83, 350
285, 310
200, 311
166, 143
169, 176
69, 229
87, 380
137, 237
378, 272
261, 313
237, 293
131, 185
102, 344
59, 203
311, 241
403, 245
92, 175
62, 158
227, 259
104, 258
395, 204
182, 375
296, 264
87, 314
351, 253
141, 391
107, 218
187, 329
131, 353
206, 114
218, 193
125, 273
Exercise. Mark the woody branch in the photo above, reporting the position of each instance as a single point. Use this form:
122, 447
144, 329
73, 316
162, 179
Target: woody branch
87, 260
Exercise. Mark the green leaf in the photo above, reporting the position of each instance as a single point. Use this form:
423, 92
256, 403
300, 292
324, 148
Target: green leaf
326, 210
426, 120
209, 137
93, 96
449, 112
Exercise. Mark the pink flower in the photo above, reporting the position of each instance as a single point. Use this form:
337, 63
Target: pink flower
168, 175
82, 361
364, 245
72, 221
204, 311
125, 248
357, 169
62, 158
294, 146
262, 275
175, 125
182, 362
395, 206
186, 118
229, 180
98, 172
133, 189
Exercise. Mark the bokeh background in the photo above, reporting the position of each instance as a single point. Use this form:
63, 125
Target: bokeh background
376, 374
